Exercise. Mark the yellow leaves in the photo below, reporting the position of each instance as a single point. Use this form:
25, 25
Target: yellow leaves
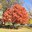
0, 6
12, 0
30, 21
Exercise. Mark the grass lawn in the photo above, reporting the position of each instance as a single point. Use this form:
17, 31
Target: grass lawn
16, 30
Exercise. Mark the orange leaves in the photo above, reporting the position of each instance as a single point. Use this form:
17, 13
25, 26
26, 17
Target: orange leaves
17, 6
16, 14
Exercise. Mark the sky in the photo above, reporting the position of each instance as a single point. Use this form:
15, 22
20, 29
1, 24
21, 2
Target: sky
27, 4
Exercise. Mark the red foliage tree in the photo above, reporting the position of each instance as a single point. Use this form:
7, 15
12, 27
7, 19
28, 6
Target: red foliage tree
16, 14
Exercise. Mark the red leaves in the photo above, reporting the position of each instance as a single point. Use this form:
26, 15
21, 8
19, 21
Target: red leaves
16, 14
